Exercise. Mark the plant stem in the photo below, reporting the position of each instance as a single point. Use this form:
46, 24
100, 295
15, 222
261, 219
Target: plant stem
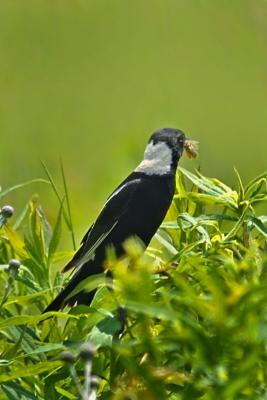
75, 379
6, 294
87, 379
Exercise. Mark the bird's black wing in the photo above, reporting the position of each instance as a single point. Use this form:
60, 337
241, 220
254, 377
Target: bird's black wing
115, 207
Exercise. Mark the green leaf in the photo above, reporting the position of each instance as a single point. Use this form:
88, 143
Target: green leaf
33, 319
37, 242
195, 224
31, 370
222, 200
214, 190
165, 243
65, 393
153, 310
27, 299
200, 218
16, 242
43, 349
62, 255
100, 339
254, 182
21, 217
241, 187
258, 224
204, 184
55, 236
89, 284
262, 197
255, 189
18, 392
238, 225
11, 393
186, 251
28, 282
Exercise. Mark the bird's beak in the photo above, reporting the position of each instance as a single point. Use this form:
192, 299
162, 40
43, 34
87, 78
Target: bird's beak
191, 148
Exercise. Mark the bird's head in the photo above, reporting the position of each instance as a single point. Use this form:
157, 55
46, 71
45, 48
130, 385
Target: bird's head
163, 152
173, 139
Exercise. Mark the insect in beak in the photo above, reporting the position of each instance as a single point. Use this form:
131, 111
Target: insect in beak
191, 148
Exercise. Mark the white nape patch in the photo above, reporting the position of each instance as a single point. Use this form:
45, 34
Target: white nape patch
157, 159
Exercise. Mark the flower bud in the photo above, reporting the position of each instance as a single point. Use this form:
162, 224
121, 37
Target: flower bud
13, 268
67, 356
95, 382
7, 211
87, 351
128, 396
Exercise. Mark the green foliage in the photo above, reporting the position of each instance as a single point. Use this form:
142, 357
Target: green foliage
92, 79
184, 320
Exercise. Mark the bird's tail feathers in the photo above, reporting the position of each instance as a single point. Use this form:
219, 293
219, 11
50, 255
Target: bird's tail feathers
83, 297
60, 300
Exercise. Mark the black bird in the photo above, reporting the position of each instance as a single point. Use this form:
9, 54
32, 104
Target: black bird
136, 208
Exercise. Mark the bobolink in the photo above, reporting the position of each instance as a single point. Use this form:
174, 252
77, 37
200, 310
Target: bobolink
136, 208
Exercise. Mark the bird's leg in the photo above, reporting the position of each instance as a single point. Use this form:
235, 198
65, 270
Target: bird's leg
121, 311
122, 315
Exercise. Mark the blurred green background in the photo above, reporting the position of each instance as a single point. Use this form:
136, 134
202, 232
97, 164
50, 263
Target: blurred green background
90, 80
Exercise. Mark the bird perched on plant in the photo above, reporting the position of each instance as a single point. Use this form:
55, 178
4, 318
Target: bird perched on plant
136, 208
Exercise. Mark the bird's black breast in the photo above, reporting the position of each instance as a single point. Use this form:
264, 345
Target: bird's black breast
146, 210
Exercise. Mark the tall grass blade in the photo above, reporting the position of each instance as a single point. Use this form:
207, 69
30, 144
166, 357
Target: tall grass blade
68, 204
51, 180
21, 185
